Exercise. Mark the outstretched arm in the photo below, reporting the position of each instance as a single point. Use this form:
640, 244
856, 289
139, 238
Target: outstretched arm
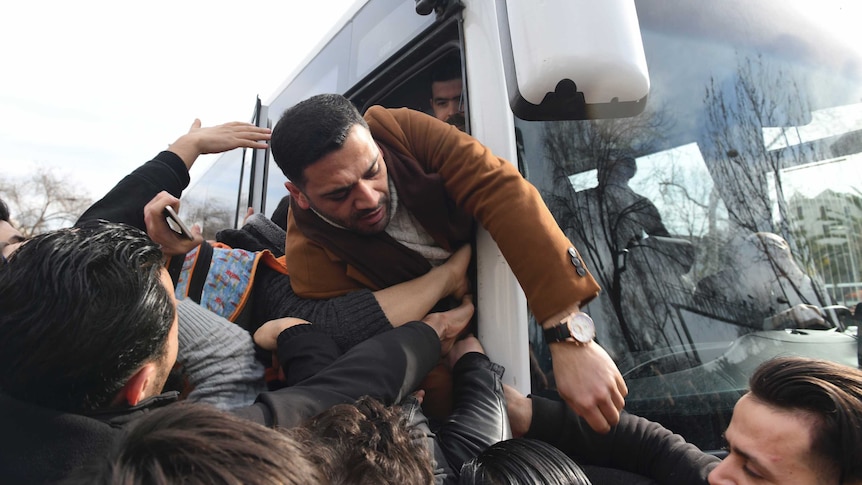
359, 315
168, 171
635, 445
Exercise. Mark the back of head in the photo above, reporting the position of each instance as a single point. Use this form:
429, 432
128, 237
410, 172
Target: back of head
310, 130
368, 443
195, 444
80, 311
830, 392
446, 69
522, 461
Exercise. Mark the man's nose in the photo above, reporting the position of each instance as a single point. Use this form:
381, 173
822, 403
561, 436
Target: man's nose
365, 196
720, 475
454, 107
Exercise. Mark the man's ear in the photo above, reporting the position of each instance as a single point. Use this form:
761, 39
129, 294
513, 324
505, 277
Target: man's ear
137, 386
297, 195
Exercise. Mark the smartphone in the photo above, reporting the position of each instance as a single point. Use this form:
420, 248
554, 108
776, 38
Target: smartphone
176, 224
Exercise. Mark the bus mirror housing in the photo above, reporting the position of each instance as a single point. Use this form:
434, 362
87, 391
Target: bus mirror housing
574, 59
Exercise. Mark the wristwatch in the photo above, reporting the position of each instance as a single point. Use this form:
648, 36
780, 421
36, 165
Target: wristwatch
577, 327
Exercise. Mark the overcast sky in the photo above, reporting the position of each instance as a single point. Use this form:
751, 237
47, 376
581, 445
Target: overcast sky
94, 88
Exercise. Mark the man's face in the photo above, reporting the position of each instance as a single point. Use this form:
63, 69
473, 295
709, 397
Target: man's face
769, 446
10, 239
446, 98
348, 186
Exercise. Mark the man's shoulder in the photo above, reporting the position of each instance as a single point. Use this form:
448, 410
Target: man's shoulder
42, 445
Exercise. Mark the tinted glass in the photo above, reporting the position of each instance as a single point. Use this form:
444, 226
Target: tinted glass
212, 201
724, 224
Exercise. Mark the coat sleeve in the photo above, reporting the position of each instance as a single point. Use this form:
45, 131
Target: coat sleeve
635, 445
495, 194
125, 202
386, 367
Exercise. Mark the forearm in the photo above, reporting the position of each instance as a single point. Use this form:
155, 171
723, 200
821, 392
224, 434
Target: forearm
348, 319
636, 444
386, 367
413, 299
303, 351
125, 202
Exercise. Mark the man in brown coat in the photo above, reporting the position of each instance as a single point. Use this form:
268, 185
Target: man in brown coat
379, 200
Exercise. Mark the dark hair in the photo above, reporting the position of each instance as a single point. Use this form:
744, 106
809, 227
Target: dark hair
4, 211
310, 130
367, 443
81, 310
832, 393
196, 444
446, 69
522, 461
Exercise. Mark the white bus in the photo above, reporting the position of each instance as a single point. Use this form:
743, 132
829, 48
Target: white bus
704, 157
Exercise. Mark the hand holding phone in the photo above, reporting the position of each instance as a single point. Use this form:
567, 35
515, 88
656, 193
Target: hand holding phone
176, 224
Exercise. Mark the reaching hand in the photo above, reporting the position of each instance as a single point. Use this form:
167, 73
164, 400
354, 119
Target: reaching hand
159, 230
217, 139
589, 382
450, 324
456, 265
267, 335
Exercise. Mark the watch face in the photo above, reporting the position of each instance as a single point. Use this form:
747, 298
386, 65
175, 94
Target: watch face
582, 327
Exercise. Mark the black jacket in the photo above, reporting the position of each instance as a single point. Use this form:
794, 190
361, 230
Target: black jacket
635, 445
39, 445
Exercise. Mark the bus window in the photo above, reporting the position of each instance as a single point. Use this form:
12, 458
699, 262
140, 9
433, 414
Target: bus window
726, 212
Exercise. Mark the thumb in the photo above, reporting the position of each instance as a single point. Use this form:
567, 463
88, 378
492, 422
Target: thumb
196, 125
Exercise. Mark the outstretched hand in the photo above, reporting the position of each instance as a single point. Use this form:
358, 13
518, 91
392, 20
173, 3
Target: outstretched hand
450, 324
589, 382
217, 139
456, 267
160, 232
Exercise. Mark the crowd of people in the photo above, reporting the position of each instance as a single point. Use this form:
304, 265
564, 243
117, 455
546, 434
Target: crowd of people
134, 355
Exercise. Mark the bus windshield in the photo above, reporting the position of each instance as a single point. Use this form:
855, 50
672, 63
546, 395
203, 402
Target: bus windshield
726, 220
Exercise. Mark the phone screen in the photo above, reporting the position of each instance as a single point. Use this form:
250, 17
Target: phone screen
176, 224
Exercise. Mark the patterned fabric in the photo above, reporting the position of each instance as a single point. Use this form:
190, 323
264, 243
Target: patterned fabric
228, 280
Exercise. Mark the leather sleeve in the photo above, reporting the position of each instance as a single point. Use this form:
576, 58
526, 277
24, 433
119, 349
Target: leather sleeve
386, 367
635, 445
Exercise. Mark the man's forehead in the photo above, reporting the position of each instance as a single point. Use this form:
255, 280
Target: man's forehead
358, 155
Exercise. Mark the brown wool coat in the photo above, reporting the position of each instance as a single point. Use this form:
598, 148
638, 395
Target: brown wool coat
488, 188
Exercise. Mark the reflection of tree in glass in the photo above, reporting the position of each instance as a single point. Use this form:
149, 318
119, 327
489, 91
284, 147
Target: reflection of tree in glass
830, 235
640, 277
43, 200
212, 217
760, 94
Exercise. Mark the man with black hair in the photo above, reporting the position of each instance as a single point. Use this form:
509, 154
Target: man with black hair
88, 334
447, 101
800, 423
381, 199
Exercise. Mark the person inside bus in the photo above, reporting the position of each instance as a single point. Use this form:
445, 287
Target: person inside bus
379, 200
800, 423
88, 335
447, 101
